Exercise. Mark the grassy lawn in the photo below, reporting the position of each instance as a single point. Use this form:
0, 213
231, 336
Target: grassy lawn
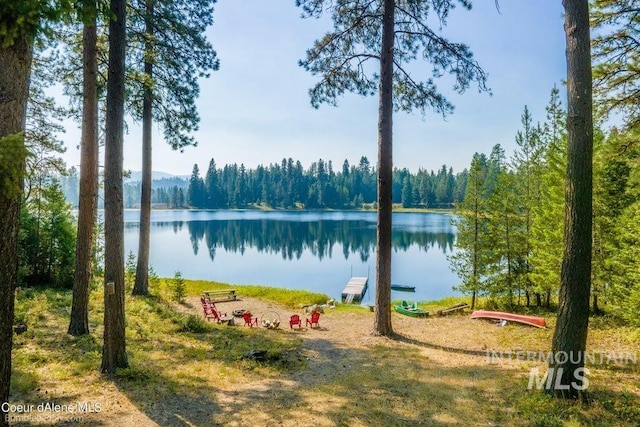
184, 371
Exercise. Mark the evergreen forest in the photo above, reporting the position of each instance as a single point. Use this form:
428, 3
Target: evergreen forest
288, 185
511, 221
551, 228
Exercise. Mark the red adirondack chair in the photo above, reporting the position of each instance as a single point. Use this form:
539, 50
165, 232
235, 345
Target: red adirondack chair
210, 311
295, 320
249, 320
315, 318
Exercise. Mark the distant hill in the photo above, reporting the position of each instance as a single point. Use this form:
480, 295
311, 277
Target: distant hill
162, 185
136, 176
166, 189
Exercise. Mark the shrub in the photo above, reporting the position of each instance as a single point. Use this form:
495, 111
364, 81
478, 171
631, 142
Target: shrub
192, 323
179, 288
130, 272
47, 240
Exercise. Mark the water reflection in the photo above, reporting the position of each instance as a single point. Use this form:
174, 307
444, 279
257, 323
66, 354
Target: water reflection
316, 251
290, 239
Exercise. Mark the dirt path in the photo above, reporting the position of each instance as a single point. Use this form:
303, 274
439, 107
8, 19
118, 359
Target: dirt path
340, 347
434, 372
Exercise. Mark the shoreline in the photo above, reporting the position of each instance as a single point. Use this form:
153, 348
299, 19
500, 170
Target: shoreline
450, 211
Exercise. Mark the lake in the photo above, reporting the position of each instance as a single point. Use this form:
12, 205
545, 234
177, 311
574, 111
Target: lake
317, 251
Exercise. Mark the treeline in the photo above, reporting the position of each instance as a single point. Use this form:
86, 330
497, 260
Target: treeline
510, 222
288, 185
169, 192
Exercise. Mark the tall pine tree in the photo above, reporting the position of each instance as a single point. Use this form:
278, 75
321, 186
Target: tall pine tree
570, 334
394, 34
547, 226
470, 261
168, 53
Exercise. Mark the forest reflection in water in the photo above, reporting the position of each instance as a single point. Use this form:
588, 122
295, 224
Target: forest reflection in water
238, 243
291, 239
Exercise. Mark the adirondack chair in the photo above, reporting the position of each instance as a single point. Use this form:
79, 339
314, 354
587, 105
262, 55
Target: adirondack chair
210, 311
315, 318
295, 320
249, 320
218, 315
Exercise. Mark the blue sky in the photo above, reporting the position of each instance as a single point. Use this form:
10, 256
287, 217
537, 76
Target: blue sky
256, 109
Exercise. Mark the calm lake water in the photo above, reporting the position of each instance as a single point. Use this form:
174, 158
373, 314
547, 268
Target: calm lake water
318, 251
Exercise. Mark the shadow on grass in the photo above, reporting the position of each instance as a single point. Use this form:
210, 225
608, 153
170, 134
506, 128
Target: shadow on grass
174, 376
201, 378
408, 340
338, 386
189, 400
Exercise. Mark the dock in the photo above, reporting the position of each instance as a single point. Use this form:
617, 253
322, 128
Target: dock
355, 290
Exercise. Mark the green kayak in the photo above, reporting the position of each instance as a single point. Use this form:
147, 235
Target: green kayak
410, 310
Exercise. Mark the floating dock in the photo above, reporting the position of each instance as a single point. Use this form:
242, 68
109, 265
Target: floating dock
355, 290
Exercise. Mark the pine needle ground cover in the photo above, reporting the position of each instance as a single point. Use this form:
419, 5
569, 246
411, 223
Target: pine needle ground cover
185, 371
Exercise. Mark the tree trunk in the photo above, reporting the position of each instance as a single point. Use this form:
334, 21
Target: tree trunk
382, 322
570, 335
547, 299
15, 66
476, 244
596, 307
79, 323
114, 353
141, 286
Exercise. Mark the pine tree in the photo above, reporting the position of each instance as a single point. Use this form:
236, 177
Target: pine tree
527, 162
615, 194
624, 262
470, 261
16, 52
47, 238
547, 227
169, 52
570, 334
505, 235
392, 33
114, 353
212, 186
88, 194
616, 56
196, 194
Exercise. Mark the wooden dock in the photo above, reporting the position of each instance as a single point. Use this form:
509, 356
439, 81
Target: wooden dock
355, 290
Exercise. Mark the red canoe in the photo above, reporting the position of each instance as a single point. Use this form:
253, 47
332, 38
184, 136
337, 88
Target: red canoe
538, 322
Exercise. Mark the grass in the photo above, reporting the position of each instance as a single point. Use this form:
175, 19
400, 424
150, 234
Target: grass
291, 298
186, 371
154, 329
435, 305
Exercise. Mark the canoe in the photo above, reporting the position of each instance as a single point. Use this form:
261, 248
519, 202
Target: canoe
412, 311
403, 288
538, 322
